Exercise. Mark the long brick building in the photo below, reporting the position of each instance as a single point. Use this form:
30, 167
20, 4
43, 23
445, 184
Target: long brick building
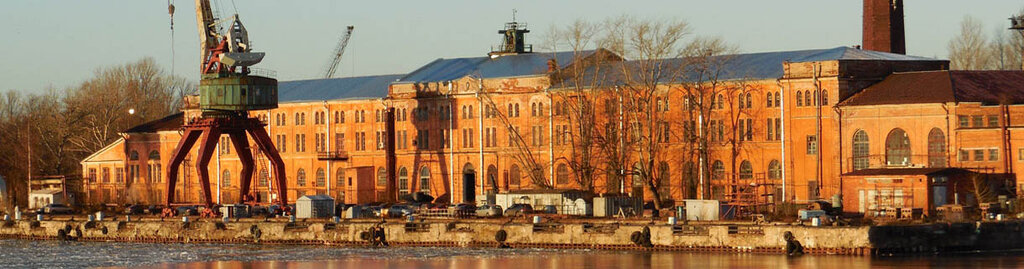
783, 126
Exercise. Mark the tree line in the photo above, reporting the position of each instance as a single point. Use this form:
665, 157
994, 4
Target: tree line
49, 133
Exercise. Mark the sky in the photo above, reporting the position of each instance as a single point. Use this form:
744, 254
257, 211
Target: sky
60, 43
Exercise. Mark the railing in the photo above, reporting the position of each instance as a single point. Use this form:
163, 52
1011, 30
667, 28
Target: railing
332, 155
912, 161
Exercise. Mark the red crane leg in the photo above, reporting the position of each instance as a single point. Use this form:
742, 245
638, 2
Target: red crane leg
184, 145
263, 141
241, 142
206, 148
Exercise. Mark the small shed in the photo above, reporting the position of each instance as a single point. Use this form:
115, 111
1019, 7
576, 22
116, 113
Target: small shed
314, 206
41, 198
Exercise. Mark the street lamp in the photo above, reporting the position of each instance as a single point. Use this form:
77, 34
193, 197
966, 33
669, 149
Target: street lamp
131, 111
1017, 24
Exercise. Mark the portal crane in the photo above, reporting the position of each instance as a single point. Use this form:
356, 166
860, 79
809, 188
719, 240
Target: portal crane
332, 65
227, 92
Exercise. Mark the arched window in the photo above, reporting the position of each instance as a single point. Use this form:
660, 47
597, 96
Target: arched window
562, 174
517, 110
264, 178
425, 179
382, 177
774, 170
339, 178
739, 100
861, 149
778, 99
768, 100
807, 98
824, 98
936, 148
717, 170
225, 178
321, 178
403, 181
154, 155
513, 176
749, 101
897, 148
300, 178
799, 98
720, 102
134, 156
816, 100
746, 170
533, 109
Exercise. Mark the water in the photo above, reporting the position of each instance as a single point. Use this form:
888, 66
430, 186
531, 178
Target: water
54, 254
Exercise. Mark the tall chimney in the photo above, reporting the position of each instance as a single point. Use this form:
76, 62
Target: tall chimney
883, 26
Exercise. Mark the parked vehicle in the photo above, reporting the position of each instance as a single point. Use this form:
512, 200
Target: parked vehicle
518, 210
400, 210
487, 211
188, 211
135, 210
460, 210
55, 209
258, 211
155, 209
550, 209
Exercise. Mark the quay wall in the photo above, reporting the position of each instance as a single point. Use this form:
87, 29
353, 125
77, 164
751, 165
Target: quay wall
600, 234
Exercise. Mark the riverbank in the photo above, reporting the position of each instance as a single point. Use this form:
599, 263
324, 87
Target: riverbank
551, 233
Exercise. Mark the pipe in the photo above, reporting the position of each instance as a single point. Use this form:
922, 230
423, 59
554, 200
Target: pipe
326, 145
782, 132
817, 130
480, 138
551, 138
451, 149
219, 180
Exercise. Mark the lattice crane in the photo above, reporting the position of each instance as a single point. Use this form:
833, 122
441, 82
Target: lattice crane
332, 65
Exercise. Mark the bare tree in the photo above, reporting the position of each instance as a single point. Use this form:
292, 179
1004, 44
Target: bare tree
970, 49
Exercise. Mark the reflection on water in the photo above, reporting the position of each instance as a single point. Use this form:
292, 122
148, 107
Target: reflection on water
53, 254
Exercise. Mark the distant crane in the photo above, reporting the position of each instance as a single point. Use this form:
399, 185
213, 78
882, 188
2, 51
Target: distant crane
332, 65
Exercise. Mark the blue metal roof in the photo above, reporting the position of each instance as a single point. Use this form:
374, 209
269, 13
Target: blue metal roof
486, 67
366, 87
748, 66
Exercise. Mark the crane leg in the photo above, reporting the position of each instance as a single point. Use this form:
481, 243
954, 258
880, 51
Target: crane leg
206, 148
263, 141
241, 143
184, 145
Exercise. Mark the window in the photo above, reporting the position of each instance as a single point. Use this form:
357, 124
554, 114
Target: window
425, 180
134, 156
936, 148
993, 154
749, 100
739, 102
92, 173
768, 100
106, 175
812, 145
774, 170
664, 185
897, 148
513, 176
225, 178
300, 178
824, 98
976, 121
963, 155
339, 178
264, 178
741, 130
746, 170
807, 98
778, 129
799, 98
861, 149
993, 120
964, 121
979, 155
562, 174
382, 177
321, 178
720, 102
778, 99
750, 130
1020, 154
717, 170
403, 181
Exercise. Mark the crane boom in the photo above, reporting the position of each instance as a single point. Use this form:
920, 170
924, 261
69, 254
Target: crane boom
332, 65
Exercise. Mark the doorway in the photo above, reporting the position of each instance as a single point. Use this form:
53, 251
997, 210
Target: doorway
468, 184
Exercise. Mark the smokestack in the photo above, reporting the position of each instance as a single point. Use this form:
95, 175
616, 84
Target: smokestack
883, 26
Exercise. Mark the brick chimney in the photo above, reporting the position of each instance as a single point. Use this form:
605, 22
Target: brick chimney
883, 26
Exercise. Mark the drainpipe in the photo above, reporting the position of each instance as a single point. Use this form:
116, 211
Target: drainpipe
839, 114
218, 169
270, 167
451, 148
1004, 111
945, 107
622, 146
551, 142
782, 132
702, 149
817, 129
327, 145
482, 171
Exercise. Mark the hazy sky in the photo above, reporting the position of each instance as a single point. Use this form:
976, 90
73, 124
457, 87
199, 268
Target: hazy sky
60, 43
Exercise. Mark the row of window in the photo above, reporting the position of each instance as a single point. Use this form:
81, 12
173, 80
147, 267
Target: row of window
746, 170
977, 121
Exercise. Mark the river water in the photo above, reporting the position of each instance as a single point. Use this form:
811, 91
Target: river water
55, 254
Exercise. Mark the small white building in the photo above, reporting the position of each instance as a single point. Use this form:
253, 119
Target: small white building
314, 206
41, 198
